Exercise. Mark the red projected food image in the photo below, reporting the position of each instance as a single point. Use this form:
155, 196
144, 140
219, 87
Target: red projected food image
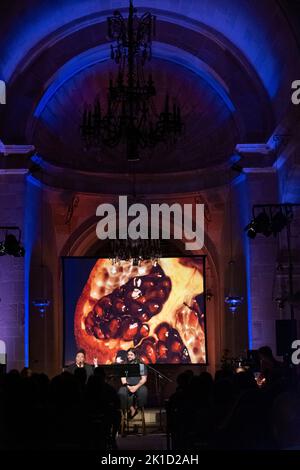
152, 307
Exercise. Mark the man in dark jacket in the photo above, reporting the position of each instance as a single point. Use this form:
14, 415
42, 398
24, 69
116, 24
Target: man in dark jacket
133, 393
81, 364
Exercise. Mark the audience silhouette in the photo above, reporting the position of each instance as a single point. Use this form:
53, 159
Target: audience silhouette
231, 411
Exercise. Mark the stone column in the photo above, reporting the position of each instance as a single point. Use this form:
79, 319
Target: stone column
13, 173
261, 253
12, 273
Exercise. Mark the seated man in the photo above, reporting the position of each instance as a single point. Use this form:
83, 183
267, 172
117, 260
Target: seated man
133, 393
80, 363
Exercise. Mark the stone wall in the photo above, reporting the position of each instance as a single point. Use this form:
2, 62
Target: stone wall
12, 201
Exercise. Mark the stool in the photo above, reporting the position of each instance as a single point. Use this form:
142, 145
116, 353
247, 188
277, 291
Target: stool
126, 422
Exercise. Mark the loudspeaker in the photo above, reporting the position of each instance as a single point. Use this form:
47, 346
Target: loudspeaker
286, 333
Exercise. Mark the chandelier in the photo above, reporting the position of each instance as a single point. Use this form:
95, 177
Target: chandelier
130, 117
232, 300
135, 251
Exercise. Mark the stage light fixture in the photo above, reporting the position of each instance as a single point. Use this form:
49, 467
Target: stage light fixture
271, 222
279, 221
251, 229
280, 217
263, 224
12, 246
260, 224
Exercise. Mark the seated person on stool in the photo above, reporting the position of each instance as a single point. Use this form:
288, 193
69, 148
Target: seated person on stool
133, 393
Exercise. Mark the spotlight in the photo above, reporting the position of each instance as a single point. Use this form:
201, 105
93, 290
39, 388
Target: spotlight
271, 222
260, 224
279, 221
251, 229
263, 224
12, 246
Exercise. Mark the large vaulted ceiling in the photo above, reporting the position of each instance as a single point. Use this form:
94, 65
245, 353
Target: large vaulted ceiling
229, 66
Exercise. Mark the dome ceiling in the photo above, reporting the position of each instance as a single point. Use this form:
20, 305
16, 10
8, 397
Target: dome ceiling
230, 90
210, 130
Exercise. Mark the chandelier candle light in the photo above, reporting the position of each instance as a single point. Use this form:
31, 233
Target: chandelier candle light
130, 118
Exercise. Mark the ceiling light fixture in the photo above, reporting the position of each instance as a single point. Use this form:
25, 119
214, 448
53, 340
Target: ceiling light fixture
130, 117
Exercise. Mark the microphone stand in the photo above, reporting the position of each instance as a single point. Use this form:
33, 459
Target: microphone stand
158, 377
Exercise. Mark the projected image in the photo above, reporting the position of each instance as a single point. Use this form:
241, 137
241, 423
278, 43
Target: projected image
156, 308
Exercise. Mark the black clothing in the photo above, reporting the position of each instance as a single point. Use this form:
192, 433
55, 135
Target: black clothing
139, 398
128, 399
89, 369
135, 380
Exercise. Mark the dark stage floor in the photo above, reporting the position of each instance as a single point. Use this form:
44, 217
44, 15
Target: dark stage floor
140, 442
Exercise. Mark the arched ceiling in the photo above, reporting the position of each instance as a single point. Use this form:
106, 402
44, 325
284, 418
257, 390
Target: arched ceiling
230, 65
209, 138
256, 28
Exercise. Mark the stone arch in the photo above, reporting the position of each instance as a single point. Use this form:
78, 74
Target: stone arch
82, 242
228, 20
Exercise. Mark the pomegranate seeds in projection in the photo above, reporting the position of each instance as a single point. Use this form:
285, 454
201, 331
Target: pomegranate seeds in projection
121, 310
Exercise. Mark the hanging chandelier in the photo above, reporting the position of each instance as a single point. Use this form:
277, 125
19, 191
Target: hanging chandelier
135, 251
130, 117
